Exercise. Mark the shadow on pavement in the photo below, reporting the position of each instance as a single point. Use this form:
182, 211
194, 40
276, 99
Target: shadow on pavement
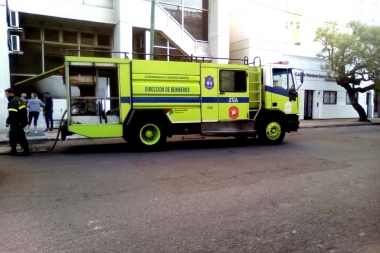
175, 145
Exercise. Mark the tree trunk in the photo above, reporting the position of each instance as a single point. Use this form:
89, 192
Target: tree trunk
358, 107
354, 101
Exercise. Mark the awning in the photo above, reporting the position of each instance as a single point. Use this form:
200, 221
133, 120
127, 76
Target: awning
40, 76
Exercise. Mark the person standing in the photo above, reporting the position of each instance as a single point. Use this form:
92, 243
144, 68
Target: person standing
34, 106
16, 121
23, 97
48, 112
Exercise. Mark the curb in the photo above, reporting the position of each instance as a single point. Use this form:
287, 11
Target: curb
341, 125
2, 142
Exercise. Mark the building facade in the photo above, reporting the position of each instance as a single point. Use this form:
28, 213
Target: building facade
38, 34
284, 31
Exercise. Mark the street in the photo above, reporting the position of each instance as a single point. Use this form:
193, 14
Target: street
319, 191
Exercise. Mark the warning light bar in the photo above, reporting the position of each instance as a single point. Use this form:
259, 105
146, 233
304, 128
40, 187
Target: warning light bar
281, 62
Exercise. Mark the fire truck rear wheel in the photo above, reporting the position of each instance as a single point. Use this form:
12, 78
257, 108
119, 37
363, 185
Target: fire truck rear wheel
149, 134
272, 131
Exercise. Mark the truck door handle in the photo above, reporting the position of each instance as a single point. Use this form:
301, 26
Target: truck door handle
274, 104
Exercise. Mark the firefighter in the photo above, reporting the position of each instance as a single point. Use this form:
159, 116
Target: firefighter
16, 121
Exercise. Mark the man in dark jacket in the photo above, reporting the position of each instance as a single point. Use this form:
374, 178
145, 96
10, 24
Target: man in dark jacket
17, 120
48, 112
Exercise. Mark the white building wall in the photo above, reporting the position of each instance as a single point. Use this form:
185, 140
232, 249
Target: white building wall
219, 32
303, 59
71, 9
258, 28
4, 64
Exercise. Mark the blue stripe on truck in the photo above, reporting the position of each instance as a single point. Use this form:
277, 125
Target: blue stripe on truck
184, 100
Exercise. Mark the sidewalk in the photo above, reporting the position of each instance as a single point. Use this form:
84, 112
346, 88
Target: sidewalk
40, 136
303, 124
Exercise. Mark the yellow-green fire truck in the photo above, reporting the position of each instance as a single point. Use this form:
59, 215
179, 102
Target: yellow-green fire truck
146, 101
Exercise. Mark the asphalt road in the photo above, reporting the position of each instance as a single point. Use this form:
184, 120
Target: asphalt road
317, 192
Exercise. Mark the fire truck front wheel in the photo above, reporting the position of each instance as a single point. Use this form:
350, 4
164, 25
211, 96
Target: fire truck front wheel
148, 134
272, 131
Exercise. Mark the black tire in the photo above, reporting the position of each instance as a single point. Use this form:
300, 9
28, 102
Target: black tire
271, 131
147, 135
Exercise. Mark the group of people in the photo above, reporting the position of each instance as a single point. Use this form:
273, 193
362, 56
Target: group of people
18, 120
34, 107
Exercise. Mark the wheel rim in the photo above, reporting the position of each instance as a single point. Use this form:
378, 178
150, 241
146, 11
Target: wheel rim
273, 131
150, 134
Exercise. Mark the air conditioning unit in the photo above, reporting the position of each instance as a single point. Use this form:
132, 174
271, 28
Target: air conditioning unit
13, 19
15, 43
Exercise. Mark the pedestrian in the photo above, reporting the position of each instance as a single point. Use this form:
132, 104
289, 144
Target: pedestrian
34, 106
16, 121
23, 97
48, 112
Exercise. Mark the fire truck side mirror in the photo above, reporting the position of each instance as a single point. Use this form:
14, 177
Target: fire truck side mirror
293, 94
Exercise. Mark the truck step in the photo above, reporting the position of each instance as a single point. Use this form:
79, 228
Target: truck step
228, 127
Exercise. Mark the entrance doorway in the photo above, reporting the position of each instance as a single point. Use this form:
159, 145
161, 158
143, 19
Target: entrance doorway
308, 104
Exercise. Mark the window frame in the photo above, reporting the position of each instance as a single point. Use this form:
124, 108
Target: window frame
76, 46
290, 81
329, 92
235, 91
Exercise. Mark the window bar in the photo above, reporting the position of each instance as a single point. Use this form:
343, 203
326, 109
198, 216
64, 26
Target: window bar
183, 18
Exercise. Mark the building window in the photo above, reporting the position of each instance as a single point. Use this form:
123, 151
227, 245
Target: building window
87, 38
192, 15
32, 33
45, 48
104, 40
329, 97
164, 50
348, 102
233, 81
53, 55
51, 35
30, 62
70, 37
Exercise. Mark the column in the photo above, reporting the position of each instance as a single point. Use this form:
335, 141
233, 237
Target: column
123, 28
219, 30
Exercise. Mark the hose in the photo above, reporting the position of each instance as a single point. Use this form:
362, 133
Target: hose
56, 138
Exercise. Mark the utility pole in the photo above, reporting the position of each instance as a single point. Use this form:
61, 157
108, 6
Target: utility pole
152, 21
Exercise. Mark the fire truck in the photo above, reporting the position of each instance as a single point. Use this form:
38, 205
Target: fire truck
147, 101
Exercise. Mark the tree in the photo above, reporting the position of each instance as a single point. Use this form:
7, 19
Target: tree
352, 56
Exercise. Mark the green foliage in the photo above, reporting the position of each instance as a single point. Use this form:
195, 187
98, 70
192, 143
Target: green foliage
352, 53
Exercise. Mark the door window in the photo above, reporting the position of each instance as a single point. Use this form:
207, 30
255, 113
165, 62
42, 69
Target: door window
233, 81
282, 79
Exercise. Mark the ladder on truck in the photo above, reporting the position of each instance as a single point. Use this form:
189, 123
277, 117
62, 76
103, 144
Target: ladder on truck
254, 84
